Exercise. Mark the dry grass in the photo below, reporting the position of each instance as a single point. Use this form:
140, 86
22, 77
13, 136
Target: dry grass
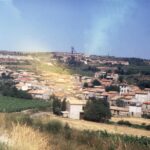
25, 138
132, 120
82, 124
56, 75
22, 137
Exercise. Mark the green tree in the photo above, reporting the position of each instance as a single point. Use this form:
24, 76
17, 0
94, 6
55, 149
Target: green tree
96, 82
121, 79
85, 85
56, 105
63, 105
120, 103
97, 110
144, 84
112, 88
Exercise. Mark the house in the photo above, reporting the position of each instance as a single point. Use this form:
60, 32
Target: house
100, 73
40, 94
124, 89
119, 111
146, 108
93, 92
75, 107
106, 82
142, 96
113, 100
135, 111
109, 95
112, 76
23, 86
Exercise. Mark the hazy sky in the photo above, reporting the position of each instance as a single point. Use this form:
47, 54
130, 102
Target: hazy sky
114, 27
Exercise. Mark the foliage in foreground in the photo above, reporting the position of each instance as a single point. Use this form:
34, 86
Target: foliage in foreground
62, 137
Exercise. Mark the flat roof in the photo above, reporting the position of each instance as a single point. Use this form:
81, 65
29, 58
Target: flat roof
75, 101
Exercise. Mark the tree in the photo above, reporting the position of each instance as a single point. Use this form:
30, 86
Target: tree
144, 84
56, 105
120, 103
63, 105
121, 79
85, 85
97, 110
112, 88
96, 82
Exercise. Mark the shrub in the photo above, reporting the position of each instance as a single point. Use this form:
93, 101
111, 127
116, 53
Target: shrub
122, 122
120, 103
54, 126
96, 82
37, 124
112, 88
147, 127
3, 146
24, 119
85, 85
67, 131
17, 118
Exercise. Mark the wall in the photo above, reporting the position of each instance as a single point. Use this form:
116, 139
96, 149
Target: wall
74, 111
135, 111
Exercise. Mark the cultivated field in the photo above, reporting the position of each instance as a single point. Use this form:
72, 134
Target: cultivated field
9, 104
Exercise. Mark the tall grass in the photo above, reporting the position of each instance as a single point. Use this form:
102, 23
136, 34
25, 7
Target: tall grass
56, 135
23, 137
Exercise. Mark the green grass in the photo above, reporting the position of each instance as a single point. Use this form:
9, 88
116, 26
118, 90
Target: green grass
10, 104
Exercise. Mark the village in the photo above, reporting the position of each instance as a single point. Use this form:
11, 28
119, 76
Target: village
124, 99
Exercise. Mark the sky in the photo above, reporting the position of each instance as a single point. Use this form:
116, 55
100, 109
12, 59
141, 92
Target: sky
102, 27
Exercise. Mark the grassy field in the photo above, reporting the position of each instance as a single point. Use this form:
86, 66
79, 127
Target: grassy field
55, 135
138, 121
93, 126
9, 104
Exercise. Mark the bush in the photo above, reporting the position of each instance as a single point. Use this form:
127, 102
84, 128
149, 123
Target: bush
54, 126
85, 85
147, 127
122, 122
96, 82
37, 124
146, 116
4, 146
112, 88
120, 103
144, 84
67, 131
24, 119
17, 118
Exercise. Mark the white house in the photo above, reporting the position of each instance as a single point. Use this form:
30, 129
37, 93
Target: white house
40, 94
124, 89
135, 111
75, 107
142, 96
146, 108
